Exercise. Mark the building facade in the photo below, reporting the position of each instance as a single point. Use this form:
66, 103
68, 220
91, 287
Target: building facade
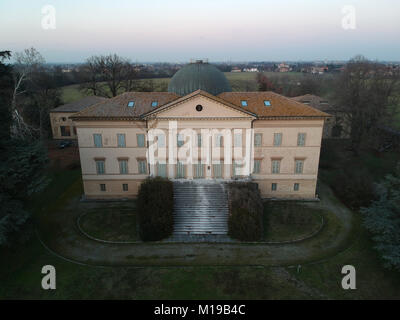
62, 126
189, 133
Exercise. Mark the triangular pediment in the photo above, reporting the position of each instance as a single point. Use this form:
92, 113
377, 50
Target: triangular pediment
200, 105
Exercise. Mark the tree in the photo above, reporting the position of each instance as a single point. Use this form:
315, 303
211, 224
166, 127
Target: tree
21, 162
26, 64
108, 75
6, 92
264, 84
382, 219
363, 94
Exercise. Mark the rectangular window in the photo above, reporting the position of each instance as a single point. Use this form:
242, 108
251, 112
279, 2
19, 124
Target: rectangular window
277, 139
140, 140
131, 104
180, 140
180, 170
124, 187
161, 141
102, 187
217, 169
198, 170
121, 140
100, 167
267, 103
162, 169
218, 140
258, 139
299, 164
65, 131
276, 166
154, 104
244, 103
98, 143
296, 187
123, 166
274, 186
238, 140
142, 166
301, 139
199, 140
257, 166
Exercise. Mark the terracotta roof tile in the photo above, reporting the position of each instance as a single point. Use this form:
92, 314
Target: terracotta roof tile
117, 107
315, 102
79, 105
281, 106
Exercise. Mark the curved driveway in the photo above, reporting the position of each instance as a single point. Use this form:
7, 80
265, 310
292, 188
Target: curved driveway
64, 239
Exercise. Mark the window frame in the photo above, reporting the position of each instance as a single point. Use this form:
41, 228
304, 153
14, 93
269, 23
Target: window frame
144, 140
255, 139
280, 135
101, 140
118, 140
303, 134
296, 161
139, 162
123, 169
98, 161
278, 161
258, 171
274, 186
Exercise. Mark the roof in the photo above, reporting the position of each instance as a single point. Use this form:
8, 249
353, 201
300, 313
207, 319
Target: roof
199, 75
117, 107
202, 93
79, 105
314, 101
281, 106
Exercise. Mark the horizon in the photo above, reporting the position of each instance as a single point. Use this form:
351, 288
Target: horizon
226, 31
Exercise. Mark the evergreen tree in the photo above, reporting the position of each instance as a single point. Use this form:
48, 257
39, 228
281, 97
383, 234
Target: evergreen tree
382, 219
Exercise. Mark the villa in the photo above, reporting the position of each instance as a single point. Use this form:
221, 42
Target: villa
199, 130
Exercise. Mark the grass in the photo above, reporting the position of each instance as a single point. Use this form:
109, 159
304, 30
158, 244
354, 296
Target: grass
372, 281
110, 224
20, 269
286, 221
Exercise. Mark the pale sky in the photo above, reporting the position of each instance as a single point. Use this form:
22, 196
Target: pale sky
220, 30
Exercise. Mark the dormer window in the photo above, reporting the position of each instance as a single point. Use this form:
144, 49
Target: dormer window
131, 104
267, 103
154, 104
244, 103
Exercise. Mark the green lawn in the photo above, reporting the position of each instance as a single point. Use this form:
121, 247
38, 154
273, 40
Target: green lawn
20, 270
110, 223
286, 221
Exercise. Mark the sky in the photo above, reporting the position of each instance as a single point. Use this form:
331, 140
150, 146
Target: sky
220, 30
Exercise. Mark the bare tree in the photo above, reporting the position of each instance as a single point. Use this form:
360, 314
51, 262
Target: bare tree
364, 94
27, 63
108, 75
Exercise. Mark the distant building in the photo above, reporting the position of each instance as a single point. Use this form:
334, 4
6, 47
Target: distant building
61, 124
250, 70
319, 70
236, 69
283, 67
336, 126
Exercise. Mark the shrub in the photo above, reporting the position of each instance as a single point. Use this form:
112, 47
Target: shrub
155, 209
246, 212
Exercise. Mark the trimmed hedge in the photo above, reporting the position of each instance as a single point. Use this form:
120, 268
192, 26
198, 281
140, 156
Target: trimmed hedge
246, 212
155, 205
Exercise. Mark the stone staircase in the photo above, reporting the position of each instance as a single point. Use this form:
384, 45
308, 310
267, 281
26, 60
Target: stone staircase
200, 209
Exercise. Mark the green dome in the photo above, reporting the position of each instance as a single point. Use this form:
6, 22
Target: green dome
201, 76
